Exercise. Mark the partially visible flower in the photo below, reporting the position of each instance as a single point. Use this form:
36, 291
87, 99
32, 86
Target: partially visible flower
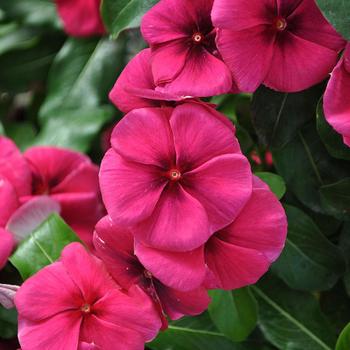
285, 45
174, 175
336, 100
74, 304
184, 59
236, 256
81, 18
115, 246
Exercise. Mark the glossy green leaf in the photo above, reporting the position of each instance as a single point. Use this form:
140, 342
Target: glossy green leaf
74, 129
331, 139
8, 323
338, 13
234, 313
21, 133
277, 116
336, 198
194, 333
82, 75
43, 246
306, 166
123, 14
292, 320
275, 182
343, 342
309, 261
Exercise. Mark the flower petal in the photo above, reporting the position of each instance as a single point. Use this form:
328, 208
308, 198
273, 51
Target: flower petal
262, 225
202, 75
177, 304
7, 244
241, 14
115, 246
8, 200
14, 167
233, 266
336, 105
223, 186
200, 135
181, 271
144, 136
241, 51
178, 223
58, 332
298, 64
130, 190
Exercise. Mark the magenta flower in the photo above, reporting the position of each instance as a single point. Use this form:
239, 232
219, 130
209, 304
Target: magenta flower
234, 257
185, 60
174, 175
81, 18
115, 246
286, 45
74, 304
336, 100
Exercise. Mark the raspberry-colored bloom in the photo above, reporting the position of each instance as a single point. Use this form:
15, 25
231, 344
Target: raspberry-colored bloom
236, 256
185, 60
115, 246
74, 303
336, 99
287, 45
175, 175
81, 18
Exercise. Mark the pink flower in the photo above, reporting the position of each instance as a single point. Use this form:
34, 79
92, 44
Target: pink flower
336, 99
81, 18
185, 60
285, 44
74, 304
236, 256
115, 246
175, 175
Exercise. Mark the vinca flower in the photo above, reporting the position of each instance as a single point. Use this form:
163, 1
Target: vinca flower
286, 45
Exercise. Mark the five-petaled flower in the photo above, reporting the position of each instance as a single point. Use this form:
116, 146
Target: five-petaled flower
285, 44
175, 175
74, 303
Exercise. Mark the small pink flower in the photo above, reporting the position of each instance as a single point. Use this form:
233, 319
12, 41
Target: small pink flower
236, 256
81, 18
115, 246
185, 60
336, 99
74, 304
285, 44
175, 175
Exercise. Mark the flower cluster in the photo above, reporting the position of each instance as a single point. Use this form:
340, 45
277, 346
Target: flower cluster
185, 214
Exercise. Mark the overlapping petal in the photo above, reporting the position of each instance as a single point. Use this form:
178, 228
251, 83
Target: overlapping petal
7, 243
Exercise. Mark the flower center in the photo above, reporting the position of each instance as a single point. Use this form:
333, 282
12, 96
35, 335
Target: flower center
280, 24
174, 175
86, 309
148, 274
197, 38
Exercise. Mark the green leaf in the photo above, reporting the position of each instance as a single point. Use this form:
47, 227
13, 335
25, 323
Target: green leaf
309, 261
74, 129
343, 342
234, 313
344, 245
305, 166
275, 182
336, 198
43, 246
8, 323
277, 116
331, 139
124, 14
338, 13
82, 75
32, 12
21, 133
193, 333
291, 319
